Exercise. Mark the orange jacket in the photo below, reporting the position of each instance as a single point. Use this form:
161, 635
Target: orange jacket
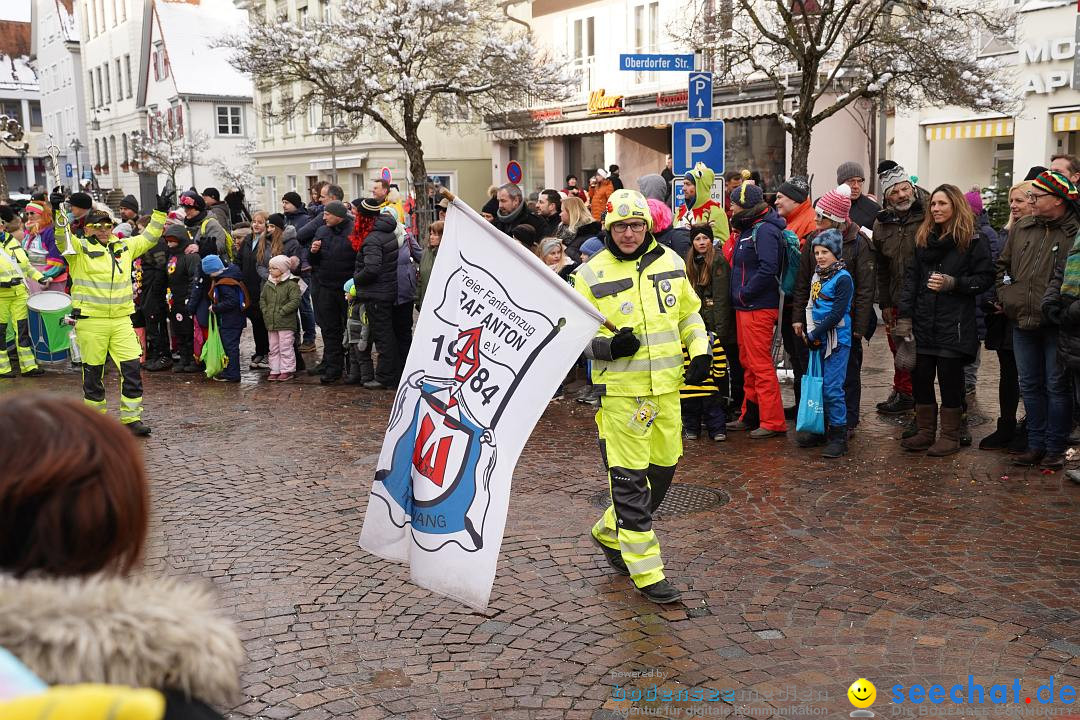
599, 198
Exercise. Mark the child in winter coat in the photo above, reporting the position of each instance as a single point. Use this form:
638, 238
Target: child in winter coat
279, 301
708, 400
228, 301
828, 331
182, 273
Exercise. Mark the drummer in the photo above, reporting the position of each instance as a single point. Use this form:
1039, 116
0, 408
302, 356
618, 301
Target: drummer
15, 267
40, 244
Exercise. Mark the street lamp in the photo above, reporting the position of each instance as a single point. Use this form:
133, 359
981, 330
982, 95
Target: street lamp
76, 146
333, 133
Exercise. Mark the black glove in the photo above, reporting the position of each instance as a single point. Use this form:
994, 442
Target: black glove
56, 197
624, 343
698, 371
164, 202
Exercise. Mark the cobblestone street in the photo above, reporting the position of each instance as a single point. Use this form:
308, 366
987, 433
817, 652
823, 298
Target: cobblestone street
895, 567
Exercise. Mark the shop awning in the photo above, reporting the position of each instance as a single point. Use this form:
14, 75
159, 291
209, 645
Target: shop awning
344, 161
970, 129
627, 121
1067, 121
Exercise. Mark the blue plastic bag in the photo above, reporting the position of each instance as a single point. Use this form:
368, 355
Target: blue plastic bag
812, 403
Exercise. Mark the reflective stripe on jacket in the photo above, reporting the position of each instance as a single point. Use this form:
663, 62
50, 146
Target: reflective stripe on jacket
653, 296
101, 274
14, 263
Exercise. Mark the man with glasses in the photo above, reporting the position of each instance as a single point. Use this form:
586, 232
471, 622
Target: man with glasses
641, 286
1037, 247
863, 209
101, 294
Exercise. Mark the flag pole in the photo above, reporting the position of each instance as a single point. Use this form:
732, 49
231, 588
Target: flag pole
451, 197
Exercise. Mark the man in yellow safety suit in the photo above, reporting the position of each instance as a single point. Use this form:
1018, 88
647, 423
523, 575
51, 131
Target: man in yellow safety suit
641, 286
15, 268
101, 294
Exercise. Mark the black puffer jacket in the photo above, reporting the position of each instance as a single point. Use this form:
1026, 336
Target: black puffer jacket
944, 322
376, 263
335, 260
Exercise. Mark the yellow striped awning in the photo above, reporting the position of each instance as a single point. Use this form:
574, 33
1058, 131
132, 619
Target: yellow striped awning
1064, 122
1000, 127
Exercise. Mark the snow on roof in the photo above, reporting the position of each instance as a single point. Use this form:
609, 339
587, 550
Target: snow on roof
65, 11
16, 73
189, 30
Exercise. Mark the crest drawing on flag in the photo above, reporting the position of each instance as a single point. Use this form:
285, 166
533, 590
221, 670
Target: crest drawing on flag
497, 333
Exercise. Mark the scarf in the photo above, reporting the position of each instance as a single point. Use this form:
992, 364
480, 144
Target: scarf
746, 219
512, 217
825, 274
1070, 283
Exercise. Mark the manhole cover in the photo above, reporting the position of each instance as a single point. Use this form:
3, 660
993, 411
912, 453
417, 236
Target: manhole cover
680, 500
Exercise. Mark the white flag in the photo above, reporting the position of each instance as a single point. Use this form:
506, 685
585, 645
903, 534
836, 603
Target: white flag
498, 332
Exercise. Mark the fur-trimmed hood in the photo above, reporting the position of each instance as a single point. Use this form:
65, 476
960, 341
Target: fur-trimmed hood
146, 632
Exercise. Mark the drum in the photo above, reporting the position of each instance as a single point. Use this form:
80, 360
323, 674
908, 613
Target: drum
51, 337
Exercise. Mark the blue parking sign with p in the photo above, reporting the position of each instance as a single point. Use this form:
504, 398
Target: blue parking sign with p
68, 170
697, 141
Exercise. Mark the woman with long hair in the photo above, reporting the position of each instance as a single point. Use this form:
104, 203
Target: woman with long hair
950, 268
576, 226
1008, 433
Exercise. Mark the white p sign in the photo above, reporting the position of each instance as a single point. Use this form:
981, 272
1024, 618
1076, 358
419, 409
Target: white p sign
697, 141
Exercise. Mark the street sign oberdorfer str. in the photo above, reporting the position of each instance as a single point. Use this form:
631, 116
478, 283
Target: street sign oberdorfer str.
651, 62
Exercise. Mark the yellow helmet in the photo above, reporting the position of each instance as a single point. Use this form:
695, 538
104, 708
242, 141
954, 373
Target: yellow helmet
625, 205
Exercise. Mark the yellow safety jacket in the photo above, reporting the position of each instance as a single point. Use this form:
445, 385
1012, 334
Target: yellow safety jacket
101, 274
14, 263
653, 296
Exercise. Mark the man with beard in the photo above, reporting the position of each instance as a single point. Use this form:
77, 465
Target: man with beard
894, 246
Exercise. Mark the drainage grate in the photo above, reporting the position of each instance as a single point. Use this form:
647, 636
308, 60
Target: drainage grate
680, 500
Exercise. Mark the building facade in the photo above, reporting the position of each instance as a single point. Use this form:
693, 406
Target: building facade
626, 117
958, 146
57, 57
23, 164
297, 153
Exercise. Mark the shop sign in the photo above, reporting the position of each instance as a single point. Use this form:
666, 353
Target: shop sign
601, 104
1044, 51
547, 114
672, 99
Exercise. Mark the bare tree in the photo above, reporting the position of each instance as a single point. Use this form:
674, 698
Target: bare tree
169, 149
239, 176
840, 51
397, 63
11, 137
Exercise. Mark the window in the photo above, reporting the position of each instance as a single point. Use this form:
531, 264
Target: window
582, 46
268, 121
290, 183
124, 143
178, 115
302, 17
97, 152
115, 14
100, 92
230, 120
646, 34
453, 109
324, 10
161, 62
127, 73
119, 81
90, 87
108, 90
123, 9
35, 115
100, 11
290, 118
87, 20
313, 113
13, 109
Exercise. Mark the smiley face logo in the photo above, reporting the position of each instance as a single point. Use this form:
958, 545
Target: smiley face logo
862, 693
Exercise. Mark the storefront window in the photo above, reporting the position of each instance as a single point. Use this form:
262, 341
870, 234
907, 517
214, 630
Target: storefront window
530, 154
756, 144
584, 154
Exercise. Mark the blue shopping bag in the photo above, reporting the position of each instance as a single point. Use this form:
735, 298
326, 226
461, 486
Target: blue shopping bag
812, 403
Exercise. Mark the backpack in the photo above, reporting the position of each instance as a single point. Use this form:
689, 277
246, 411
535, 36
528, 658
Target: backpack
230, 249
790, 258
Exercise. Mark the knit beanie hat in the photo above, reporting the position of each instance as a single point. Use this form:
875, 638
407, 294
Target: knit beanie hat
892, 176
276, 219
705, 230
547, 245
81, 200
282, 263
796, 188
211, 264
336, 207
849, 170
1056, 184
592, 246
212, 193
192, 199
370, 206
293, 198
747, 195
974, 201
831, 239
836, 204
130, 203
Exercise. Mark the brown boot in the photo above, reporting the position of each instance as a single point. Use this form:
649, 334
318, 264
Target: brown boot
949, 442
926, 422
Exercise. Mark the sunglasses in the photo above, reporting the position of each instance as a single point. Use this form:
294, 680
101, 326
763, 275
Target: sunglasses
100, 226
